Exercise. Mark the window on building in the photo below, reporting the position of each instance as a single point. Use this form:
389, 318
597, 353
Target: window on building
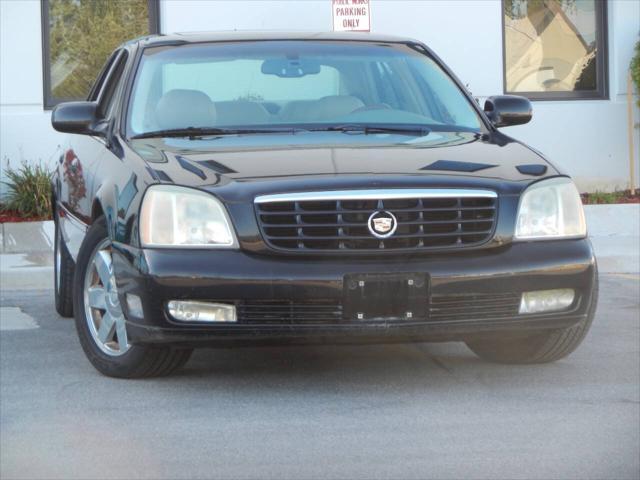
555, 49
78, 37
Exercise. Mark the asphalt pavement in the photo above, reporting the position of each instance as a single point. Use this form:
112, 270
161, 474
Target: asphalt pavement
390, 411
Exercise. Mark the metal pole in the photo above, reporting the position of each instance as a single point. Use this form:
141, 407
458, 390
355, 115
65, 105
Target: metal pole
631, 128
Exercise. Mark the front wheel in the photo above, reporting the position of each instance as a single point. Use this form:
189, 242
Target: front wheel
540, 347
100, 320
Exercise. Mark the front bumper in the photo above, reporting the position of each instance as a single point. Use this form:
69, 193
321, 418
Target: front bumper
459, 278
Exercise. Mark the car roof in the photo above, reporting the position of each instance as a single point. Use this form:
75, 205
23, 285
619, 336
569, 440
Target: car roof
255, 35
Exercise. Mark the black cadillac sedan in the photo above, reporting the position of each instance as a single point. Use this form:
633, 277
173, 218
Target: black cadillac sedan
224, 189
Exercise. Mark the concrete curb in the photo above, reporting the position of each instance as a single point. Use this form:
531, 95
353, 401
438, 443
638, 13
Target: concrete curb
26, 237
26, 259
614, 231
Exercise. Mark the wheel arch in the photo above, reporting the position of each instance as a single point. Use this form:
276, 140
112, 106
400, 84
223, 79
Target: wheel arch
118, 200
104, 205
96, 210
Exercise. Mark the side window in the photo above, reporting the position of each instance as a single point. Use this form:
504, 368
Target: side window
97, 85
108, 94
450, 106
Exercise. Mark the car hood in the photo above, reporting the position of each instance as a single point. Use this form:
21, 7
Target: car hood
289, 162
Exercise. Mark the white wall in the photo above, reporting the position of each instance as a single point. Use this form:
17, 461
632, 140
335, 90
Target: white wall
452, 28
25, 128
586, 138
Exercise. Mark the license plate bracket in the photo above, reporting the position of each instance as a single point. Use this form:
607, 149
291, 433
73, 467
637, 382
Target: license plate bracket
387, 296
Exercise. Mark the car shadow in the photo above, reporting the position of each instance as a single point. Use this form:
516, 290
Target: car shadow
393, 367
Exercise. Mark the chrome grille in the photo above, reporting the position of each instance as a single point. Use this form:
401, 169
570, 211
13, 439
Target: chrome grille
338, 221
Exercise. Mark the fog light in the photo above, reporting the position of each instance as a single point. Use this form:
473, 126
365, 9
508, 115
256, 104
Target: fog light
547, 300
187, 311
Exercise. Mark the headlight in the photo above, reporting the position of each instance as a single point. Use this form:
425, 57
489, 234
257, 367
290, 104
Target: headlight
183, 217
550, 209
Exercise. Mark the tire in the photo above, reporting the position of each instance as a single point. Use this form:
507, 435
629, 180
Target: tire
108, 349
541, 347
63, 268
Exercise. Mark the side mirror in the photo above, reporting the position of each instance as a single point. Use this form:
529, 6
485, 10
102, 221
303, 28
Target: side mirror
76, 117
505, 110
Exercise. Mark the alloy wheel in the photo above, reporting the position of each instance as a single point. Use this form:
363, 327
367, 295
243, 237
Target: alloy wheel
101, 304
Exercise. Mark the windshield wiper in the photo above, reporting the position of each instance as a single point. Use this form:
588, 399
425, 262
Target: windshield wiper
198, 132
419, 130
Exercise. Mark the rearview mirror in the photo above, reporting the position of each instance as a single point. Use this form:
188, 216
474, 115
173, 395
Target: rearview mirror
75, 117
290, 67
506, 110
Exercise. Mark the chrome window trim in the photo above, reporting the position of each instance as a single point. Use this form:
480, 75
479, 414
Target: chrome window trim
380, 194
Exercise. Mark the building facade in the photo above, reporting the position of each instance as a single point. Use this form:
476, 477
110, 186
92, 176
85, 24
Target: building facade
571, 57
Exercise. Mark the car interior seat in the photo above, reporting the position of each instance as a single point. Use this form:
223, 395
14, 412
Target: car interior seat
181, 108
241, 112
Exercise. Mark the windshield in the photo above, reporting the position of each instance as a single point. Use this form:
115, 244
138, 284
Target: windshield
294, 83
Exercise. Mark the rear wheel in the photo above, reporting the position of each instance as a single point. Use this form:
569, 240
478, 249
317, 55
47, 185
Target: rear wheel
63, 273
539, 347
100, 320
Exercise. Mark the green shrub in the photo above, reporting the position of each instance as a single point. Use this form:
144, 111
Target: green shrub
29, 190
605, 197
635, 69
620, 196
